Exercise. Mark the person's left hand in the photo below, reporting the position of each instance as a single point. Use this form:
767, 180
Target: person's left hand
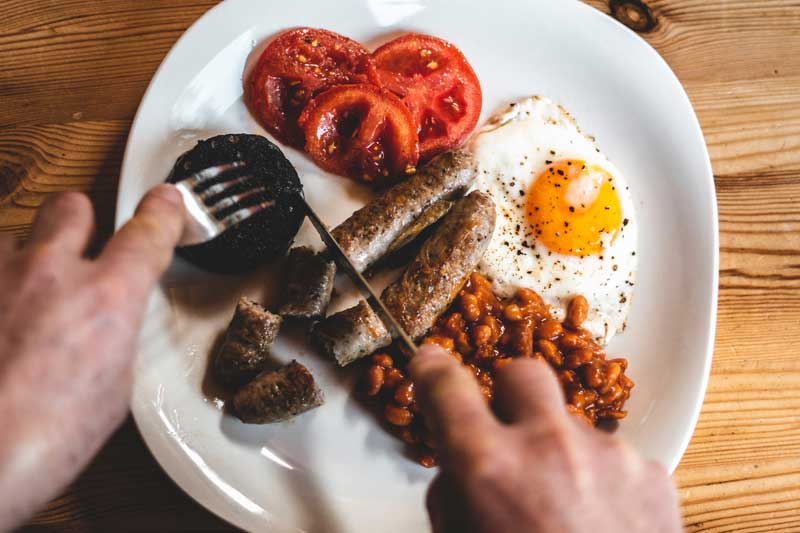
68, 327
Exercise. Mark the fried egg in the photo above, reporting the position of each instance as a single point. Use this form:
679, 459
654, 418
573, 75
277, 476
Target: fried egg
566, 222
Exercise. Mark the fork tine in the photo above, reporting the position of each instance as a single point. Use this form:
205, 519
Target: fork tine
244, 214
210, 173
219, 188
230, 201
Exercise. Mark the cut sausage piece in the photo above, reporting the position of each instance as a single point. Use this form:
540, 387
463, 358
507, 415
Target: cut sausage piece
351, 334
424, 291
368, 234
277, 395
309, 283
245, 349
442, 265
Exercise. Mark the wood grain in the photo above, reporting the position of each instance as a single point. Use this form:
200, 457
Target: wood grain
73, 72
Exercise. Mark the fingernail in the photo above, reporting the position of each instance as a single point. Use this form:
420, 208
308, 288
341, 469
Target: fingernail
168, 193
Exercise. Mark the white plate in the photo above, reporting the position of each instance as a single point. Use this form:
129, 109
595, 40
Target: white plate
335, 469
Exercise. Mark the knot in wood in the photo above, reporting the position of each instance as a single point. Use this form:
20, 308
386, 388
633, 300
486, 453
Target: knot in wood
635, 14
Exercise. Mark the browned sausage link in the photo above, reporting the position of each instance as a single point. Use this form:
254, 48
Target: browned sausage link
277, 395
245, 350
308, 284
369, 233
351, 334
443, 265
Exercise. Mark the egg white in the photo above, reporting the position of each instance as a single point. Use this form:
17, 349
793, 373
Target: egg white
512, 150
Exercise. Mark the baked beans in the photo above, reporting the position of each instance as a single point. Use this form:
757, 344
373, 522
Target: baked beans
485, 333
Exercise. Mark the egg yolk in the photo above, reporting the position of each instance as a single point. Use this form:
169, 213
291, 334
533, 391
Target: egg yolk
574, 208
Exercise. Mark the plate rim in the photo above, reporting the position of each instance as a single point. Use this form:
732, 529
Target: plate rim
223, 511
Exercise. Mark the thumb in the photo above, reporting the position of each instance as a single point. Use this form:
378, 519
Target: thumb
142, 249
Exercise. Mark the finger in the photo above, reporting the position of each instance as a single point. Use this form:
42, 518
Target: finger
7, 244
142, 249
455, 409
65, 220
445, 507
527, 389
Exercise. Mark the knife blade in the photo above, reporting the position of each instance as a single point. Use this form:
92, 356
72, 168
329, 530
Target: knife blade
343, 262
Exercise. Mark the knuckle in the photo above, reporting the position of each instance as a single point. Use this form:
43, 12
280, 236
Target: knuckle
488, 466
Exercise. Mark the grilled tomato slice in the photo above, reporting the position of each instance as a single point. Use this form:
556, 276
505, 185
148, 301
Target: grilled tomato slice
361, 131
295, 66
437, 84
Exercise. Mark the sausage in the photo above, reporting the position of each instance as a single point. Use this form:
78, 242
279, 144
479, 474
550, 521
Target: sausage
425, 289
309, 283
442, 265
368, 234
245, 349
277, 395
351, 334
425, 221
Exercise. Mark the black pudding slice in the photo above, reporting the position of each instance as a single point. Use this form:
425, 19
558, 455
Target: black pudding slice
262, 237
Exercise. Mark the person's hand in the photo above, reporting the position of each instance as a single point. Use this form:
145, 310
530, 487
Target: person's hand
68, 326
536, 468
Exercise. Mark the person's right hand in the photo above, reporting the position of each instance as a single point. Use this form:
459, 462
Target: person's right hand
535, 468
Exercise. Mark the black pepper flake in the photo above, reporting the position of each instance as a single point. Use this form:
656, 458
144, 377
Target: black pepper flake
560, 172
517, 228
519, 252
633, 253
569, 163
566, 224
558, 185
547, 162
607, 207
625, 222
521, 192
552, 152
571, 209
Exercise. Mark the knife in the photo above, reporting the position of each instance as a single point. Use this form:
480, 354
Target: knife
343, 262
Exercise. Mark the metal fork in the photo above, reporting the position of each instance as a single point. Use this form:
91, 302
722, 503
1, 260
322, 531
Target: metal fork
204, 220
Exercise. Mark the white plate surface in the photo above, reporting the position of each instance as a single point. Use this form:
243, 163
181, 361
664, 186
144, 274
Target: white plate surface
334, 469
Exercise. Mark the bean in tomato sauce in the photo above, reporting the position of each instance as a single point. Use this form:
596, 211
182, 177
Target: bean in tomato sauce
485, 333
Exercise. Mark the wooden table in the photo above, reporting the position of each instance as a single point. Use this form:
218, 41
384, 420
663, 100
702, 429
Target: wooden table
73, 71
